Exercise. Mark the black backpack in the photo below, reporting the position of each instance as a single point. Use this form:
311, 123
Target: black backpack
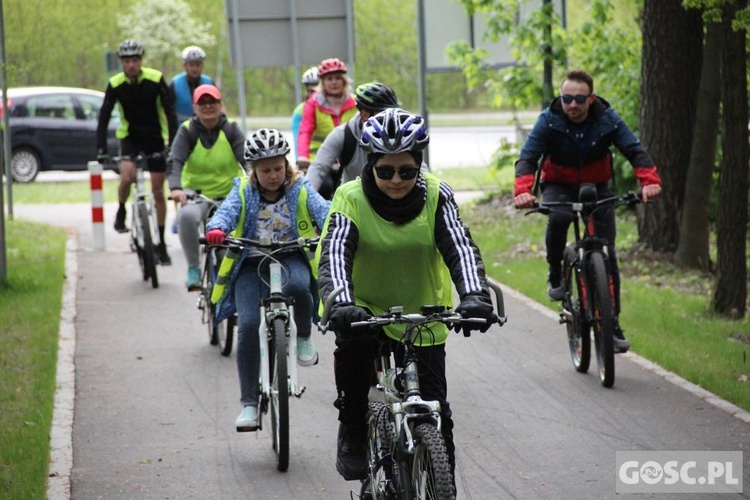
333, 181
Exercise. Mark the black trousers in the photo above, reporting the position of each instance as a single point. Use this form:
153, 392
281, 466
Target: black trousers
558, 223
354, 360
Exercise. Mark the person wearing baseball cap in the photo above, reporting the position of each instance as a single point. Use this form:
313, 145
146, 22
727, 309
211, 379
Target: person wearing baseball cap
207, 154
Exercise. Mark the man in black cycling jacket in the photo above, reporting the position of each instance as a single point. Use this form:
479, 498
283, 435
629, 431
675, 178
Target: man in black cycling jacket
149, 123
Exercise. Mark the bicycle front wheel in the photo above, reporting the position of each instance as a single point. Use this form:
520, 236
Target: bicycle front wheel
379, 484
579, 332
208, 309
431, 473
603, 319
147, 255
280, 396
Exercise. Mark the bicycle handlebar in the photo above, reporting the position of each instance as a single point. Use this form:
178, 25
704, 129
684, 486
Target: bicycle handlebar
428, 313
264, 243
630, 199
137, 158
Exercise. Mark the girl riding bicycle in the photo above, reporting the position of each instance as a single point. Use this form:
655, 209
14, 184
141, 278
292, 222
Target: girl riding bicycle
276, 202
394, 236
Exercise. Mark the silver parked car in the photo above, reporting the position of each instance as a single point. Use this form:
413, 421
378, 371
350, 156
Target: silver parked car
54, 128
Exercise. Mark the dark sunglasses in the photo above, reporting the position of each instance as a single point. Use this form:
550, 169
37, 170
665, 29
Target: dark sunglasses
580, 98
406, 173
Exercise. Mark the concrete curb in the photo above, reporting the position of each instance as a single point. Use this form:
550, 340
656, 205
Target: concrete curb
61, 433
672, 377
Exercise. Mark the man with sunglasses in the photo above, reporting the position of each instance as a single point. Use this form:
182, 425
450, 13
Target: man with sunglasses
569, 146
394, 236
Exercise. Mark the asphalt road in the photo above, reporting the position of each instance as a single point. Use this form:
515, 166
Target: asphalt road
155, 403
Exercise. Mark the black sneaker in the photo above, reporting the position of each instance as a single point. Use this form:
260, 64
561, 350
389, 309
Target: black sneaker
351, 456
621, 344
161, 251
555, 288
120, 220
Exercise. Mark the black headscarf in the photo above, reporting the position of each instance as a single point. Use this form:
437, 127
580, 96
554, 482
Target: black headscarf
398, 211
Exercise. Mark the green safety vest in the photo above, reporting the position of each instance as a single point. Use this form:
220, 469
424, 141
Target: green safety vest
324, 126
396, 264
305, 229
211, 170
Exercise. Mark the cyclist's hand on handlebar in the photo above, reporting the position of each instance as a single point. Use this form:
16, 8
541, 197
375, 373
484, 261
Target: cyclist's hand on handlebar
343, 315
179, 196
650, 192
524, 200
475, 305
216, 237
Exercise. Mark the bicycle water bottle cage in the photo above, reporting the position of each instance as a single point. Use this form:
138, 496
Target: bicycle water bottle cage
587, 193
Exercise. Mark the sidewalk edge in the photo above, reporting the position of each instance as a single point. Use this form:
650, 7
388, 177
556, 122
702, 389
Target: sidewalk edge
61, 433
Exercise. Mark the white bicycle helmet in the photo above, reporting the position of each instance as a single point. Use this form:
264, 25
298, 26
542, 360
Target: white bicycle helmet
193, 54
394, 131
310, 77
130, 48
265, 143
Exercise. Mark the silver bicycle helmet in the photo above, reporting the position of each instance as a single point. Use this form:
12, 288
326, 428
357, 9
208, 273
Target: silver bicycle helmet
394, 131
193, 54
265, 143
310, 77
130, 48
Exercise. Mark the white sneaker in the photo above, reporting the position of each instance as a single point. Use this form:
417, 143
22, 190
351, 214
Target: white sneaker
248, 419
306, 353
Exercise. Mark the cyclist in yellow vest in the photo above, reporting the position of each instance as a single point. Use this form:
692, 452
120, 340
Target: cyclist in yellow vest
327, 108
207, 154
394, 237
276, 202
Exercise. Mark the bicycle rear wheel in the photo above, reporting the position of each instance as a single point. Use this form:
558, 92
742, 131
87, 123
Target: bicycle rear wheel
147, 254
579, 332
280, 396
379, 484
430, 473
603, 319
225, 335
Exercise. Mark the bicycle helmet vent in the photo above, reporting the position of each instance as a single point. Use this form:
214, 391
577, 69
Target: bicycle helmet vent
193, 54
310, 77
130, 48
265, 143
375, 96
333, 65
394, 131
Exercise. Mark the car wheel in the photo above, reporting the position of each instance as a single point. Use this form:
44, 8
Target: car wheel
25, 165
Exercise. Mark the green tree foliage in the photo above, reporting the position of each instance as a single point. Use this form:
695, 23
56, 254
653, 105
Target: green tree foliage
146, 21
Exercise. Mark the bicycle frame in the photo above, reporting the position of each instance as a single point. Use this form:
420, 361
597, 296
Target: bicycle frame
141, 197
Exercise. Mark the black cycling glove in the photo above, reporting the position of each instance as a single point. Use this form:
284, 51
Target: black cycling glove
343, 315
475, 305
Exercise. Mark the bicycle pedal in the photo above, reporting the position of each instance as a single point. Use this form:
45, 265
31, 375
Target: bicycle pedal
301, 391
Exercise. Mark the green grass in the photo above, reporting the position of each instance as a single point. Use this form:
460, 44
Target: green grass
30, 302
61, 192
665, 310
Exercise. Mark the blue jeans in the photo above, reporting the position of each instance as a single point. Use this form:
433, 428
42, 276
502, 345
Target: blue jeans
248, 291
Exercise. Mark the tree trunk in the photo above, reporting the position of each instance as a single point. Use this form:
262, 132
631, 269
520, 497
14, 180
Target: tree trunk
693, 248
730, 294
670, 75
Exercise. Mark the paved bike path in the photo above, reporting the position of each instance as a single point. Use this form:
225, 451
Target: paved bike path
155, 404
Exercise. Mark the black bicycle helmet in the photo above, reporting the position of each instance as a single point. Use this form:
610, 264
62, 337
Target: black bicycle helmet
130, 48
265, 143
394, 131
375, 97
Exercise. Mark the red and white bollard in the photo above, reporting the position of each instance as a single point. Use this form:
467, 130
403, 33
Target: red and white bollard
97, 204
